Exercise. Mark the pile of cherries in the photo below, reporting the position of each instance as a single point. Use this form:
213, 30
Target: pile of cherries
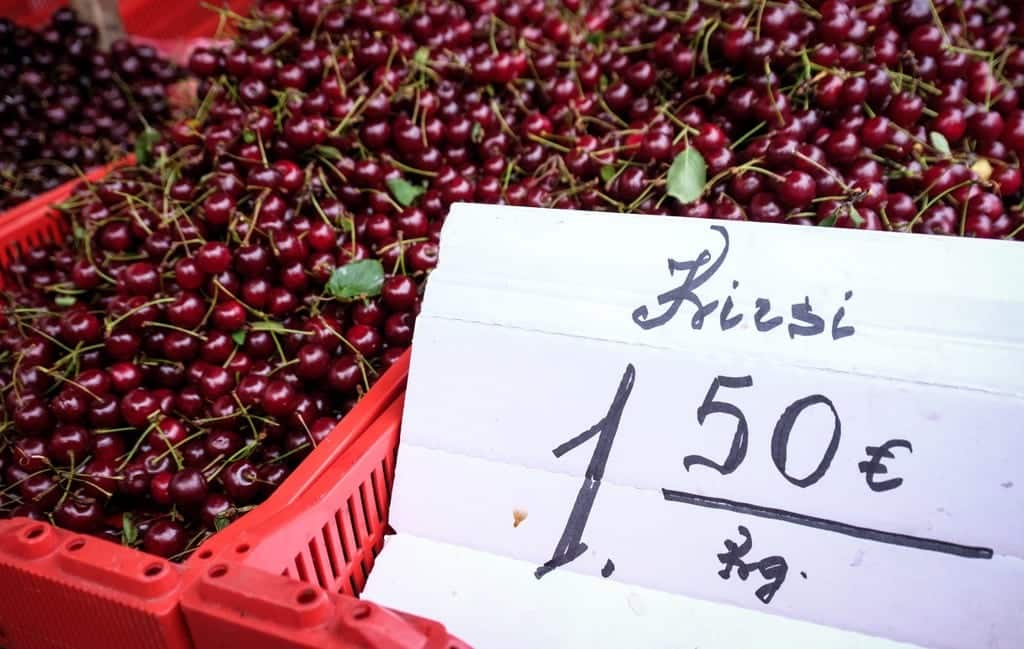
217, 309
66, 106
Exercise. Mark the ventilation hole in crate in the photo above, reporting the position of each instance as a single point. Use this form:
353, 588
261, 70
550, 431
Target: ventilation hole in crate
35, 532
306, 596
242, 548
300, 568
205, 554
352, 520
75, 545
366, 509
342, 537
218, 571
330, 543
387, 477
361, 611
153, 569
321, 574
376, 498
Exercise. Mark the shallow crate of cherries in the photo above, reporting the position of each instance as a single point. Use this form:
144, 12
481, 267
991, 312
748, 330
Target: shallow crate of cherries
218, 306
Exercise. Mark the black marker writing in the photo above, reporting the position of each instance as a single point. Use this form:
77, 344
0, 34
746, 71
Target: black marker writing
683, 293
773, 568
571, 546
871, 468
701, 269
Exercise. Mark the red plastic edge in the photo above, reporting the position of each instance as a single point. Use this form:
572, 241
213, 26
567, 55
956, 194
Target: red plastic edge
63, 589
241, 606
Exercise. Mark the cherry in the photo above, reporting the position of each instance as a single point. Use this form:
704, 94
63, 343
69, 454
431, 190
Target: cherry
797, 189
279, 398
78, 515
165, 539
137, 406
213, 257
240, 480
188, 487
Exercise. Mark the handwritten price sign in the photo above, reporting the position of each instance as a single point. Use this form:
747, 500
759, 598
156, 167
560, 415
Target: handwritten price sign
788, 419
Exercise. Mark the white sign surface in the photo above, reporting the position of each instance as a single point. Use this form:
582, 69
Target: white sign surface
822, 424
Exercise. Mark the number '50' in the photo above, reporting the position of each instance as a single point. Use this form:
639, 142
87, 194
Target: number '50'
780, 437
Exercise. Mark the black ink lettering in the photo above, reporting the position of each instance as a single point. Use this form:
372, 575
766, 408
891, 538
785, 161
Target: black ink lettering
724, 320
773, 568
780, 439
676, 297
608, 569
802, 312
738, 450
871, 468
827, 525
837, 331
570, 546
697, 322
763, 306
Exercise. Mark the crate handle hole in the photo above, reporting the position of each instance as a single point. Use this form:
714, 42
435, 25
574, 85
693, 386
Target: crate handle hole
205, 554
35, 532
218, 571
76, 545
361, 611
242, 549
306, 596
153, 569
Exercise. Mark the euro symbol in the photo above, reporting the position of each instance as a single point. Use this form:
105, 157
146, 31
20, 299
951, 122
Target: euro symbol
872, 467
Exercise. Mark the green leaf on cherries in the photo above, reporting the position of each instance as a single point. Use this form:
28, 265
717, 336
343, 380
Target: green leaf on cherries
329, 152
144, 146
855, 216
608, 172
829, 220
268, 325
64, 300
939, 141
356, 279
422, 56
687, 176
79, 233
248, 136
404, 191
220, 522
239, 337
129, 533
596, 38
477, 134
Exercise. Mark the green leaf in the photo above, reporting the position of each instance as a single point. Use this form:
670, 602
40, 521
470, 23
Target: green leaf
356, 279
608, 172
129, 533
220, 522
64, 300
239, 337
855, 216
144, 146
829, 220
79, 232
404, 191
329, 152
939, 141
268, 325
477, 134
422, 56
595, 38
687, 176
248, 136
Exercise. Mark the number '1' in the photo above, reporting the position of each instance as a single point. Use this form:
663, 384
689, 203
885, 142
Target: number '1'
570, 546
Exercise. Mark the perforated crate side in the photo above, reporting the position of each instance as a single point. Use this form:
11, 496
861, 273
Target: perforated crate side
62, 590
234, 605
331, 534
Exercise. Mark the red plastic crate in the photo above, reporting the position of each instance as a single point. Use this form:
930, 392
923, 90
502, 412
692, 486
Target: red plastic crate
324, 525
66, 590
232, 605
151, 19
330, 533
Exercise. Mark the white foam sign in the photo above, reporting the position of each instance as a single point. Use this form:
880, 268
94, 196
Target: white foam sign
820, 424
